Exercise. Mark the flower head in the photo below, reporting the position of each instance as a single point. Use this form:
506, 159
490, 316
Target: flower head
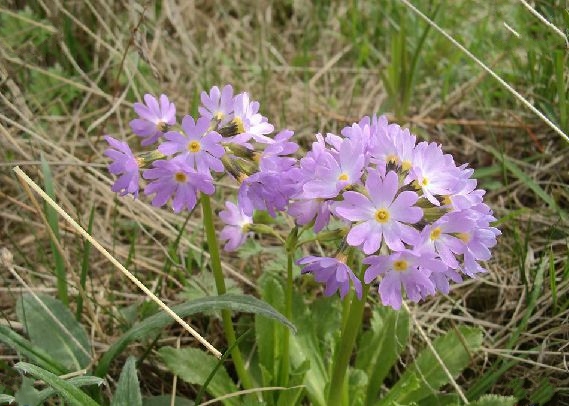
176, 179
200, 147
124, 164
217, 105
384, 215
154, 118
235, 232
250, 123
333, 272
406, 269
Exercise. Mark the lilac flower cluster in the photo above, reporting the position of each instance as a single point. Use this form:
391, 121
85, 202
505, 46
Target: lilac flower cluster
416, 217
187, 156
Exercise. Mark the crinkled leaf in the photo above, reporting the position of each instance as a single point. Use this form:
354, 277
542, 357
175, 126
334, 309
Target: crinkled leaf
427, 370
128, 389
33, 353
6, 399
495, 400
27, 394
380, 346
194, 366
78, 381
149, 326
67, 340
68, 391
166, 400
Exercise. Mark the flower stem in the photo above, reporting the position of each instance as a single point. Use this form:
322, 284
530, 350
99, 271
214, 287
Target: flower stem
220, 287
345, 347
285, 366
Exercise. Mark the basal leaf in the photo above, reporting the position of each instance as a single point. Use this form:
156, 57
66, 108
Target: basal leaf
194, 366
427, 370
67, 340
151, 325
68, 391
128, 389
494, 400
33, 353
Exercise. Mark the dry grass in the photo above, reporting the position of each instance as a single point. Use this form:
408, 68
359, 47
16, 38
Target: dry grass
193, 45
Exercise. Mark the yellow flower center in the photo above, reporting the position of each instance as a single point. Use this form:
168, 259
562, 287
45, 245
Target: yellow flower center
447, 200
392, 158
343, 176
400, 265
218, 116
239, 124
382, 216
161, 126
194, 146
465, 237
436, 233
406, 165
180, 177
425, 182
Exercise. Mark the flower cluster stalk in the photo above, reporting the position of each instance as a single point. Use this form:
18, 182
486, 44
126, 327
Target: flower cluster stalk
215, 261
345, 347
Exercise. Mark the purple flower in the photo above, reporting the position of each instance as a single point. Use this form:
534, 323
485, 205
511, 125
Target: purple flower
235, 232
177, 179
440, 237
433, 172
154, 118
270, 191
249, 121
334, 174
333, 272
274, 157
304, 212
124, 164
382, 215
478, 240
202, 149
217, 105
406, 269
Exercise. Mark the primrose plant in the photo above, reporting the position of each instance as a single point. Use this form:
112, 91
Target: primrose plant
390, 210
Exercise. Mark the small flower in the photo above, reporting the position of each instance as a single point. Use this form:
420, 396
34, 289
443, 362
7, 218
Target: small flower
433, 172
333, 272
217, 105
177, 179
382, 215
406, 269
249, 122
202, 149
124, 164
334, 174
235, 232
154, 118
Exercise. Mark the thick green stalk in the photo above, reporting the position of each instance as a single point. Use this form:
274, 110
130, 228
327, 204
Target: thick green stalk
345, 348
215, 260
285, 362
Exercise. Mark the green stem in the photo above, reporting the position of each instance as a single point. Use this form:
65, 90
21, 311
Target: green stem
285, 366
215, 260
345, 348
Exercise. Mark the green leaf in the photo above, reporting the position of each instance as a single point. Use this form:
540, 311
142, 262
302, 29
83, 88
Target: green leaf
494, 400
194, 366
77, 381
27, 394
166, 400
319, 329
450, 399
427, 371
33, 353
380, 347
151, 325
6, 399
67, 340
128, 389
68, 391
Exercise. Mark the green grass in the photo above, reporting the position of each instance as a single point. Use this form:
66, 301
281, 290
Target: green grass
314, 66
